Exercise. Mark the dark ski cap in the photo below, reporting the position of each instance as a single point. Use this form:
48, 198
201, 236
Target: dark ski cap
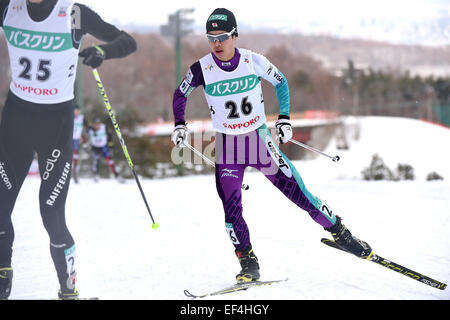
221, 19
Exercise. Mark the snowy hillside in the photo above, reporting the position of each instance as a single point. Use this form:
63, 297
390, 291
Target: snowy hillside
121, 257
422, 145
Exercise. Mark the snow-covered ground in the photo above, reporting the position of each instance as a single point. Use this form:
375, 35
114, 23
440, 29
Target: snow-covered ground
120, 256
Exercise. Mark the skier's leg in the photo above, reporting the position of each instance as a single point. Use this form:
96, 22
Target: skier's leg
95, 162
16, 156
55, 159
288, 180
14, 167
229, 176
76, 149
228, 185
109, 160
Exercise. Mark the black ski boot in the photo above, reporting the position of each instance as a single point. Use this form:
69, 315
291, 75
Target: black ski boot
68, 294
68, 291
343, 237
249, 265
6, 275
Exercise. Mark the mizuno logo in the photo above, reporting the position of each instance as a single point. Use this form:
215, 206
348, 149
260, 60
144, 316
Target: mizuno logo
228, 173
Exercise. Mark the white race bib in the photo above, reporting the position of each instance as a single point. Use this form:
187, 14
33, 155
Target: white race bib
234, 98
42, 56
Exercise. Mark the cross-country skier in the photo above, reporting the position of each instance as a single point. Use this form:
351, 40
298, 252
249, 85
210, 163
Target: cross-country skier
230, 78
79, 125
101, 141
43, 38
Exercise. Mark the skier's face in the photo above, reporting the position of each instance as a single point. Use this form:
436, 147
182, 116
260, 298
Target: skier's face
224, 50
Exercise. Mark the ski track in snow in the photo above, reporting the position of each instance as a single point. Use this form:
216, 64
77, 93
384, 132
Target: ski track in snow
119, 255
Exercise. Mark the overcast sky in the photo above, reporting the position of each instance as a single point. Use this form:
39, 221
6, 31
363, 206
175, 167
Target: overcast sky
274, 13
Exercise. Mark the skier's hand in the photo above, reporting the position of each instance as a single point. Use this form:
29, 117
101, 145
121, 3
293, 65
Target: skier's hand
180, 135
93, 56
284, 130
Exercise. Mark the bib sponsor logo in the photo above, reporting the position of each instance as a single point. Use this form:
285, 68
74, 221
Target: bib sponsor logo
38, 41
218, 17
189, 76
184, 86
36, 91
50, 164
59, 185
17, 7
277, 76
246, 124
278, 158
232, 86
62, 12
4, 177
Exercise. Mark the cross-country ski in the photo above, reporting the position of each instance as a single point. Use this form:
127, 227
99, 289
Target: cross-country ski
393, 266
234, 288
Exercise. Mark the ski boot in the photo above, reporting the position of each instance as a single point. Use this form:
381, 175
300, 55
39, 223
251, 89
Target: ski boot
68, 291
249, 265
6, 275
343, 237
68, 294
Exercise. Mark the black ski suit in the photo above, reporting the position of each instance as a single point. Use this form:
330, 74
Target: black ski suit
27, 128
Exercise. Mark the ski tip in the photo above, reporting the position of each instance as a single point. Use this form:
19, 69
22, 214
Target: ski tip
155, 225
193, 296
188, 294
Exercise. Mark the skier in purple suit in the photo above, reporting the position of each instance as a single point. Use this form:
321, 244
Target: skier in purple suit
231, 77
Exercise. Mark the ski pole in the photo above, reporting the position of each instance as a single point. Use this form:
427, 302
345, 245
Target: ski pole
335, 158
112, 116
208, 161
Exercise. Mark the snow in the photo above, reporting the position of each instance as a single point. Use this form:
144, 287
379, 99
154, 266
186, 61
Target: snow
120, 256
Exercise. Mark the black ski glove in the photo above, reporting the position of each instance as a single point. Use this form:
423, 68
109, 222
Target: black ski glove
93, 56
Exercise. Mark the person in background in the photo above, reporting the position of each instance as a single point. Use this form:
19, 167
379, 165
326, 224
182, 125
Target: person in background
79, 125
101, 144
